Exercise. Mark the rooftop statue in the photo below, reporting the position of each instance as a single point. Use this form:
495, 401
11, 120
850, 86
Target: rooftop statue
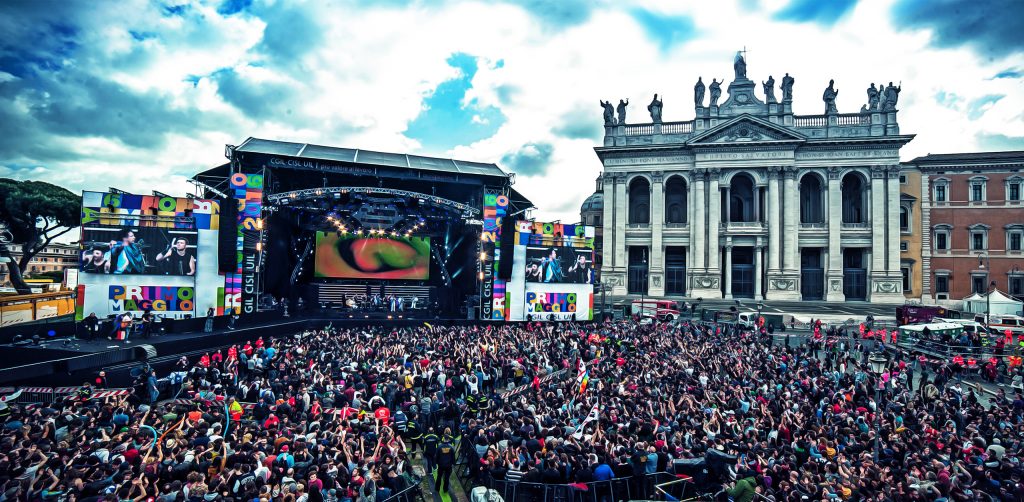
622, 111
716, 91
769, 90
829, 97
873, 94
787, 88
698, 92
609, 113
892, 95
655, 109
739, 65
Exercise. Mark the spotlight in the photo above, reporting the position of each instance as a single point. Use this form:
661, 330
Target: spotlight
483, 256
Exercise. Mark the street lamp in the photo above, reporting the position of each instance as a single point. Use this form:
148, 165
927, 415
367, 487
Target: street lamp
987, 267
878, 361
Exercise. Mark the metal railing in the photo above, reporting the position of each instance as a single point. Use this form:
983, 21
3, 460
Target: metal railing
616, 489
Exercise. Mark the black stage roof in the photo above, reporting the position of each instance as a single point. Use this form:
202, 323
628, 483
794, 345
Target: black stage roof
256, 153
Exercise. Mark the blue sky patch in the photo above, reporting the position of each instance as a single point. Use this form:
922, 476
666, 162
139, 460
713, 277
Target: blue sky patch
666, 30
979, 106
229, 7
445, 123
824, 12
1009, 73
993, 28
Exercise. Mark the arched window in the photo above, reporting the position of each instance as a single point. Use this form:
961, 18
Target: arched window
811, 199
640, 201
855, 199
741, 198
675, 200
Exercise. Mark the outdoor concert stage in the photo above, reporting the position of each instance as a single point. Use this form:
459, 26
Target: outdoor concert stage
361, 229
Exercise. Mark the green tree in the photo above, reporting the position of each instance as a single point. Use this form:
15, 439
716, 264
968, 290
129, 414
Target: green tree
35, 213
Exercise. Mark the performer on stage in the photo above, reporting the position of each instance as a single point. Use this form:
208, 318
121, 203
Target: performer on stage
180, 260
126, 256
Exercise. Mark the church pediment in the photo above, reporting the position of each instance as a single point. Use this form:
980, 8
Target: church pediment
746, 129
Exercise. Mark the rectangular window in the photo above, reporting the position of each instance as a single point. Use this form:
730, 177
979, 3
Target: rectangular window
904, 246
941, 240
1015, 239
978, 284
976, 192
940, 193
1016, 285
903, 179
942, 284
906, 278
977, 241
904, 219
1014, 192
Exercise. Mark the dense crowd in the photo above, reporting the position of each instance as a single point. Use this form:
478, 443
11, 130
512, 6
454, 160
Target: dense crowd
346, 414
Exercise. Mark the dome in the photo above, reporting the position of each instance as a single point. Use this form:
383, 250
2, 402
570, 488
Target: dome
593, 203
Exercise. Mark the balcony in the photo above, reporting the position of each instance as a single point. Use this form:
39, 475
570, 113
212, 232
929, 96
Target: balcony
814, 226
743, 226
856, 226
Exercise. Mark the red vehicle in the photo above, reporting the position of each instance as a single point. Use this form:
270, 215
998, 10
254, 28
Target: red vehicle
663, 310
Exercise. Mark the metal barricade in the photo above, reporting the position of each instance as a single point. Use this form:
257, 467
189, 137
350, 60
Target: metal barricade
613, 490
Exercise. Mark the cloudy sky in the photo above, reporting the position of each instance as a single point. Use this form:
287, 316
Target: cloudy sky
142, 94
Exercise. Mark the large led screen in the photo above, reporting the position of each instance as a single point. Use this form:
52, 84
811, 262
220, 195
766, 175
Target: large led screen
138, 250
354, 256
559, 264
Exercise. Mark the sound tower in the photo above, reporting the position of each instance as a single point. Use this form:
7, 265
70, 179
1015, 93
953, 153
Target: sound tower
508, 235
227, 237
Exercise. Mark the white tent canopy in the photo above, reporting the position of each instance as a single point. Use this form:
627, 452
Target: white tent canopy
994, 302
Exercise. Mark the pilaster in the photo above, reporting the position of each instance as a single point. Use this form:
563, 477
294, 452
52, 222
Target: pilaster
834, 267
783, 279
728, 271
884, 285
618, 277
655, 276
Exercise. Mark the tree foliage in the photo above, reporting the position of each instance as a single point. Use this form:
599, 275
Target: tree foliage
35, 213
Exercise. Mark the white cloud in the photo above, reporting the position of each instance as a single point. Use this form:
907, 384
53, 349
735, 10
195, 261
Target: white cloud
366, 75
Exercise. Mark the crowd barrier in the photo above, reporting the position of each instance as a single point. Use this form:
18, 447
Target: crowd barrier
50, 395
613, 490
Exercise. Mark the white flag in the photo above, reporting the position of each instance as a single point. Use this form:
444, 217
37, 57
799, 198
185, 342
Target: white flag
591, 417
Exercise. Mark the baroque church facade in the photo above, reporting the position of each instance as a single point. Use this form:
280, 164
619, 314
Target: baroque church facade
748, 200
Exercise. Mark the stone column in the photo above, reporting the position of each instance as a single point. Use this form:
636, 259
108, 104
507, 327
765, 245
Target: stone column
728, 206
758, 272
834, 266
878, 220
619, 229
893, 226
656, 284
714, 220
728, 271
791, 252
757, 203
698, 236
690, 218
773, 219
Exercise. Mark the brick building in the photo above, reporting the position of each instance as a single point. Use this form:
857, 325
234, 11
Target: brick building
972, 221
54, 258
